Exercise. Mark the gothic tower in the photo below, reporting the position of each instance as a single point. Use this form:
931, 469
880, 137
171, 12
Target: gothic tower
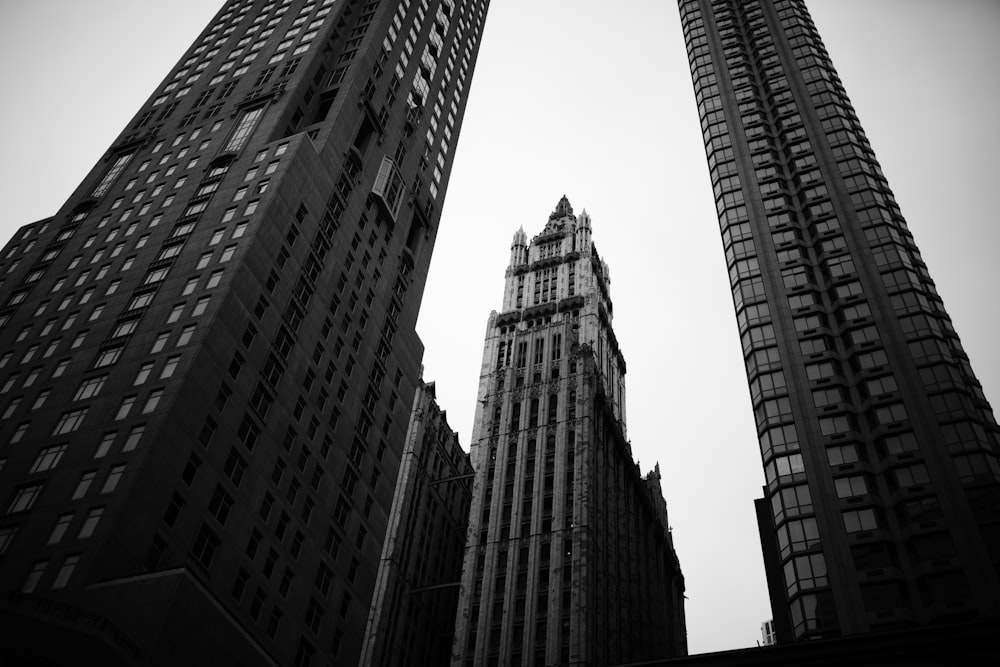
569, 558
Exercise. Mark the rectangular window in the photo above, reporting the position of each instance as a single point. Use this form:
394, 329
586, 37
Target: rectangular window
48, 458
114, 476
31, 581
170, 367
850, 487
200, 306
90, 523
84, 484
152, 401
69, 421
206, 543
116, 169
133, 438
185, 336
125, 407
108, 357
59, 530
248, 121
24, 498
66, 571
143, 374
90, 387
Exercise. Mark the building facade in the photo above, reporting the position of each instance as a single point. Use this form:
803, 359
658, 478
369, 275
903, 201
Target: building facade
569, 559
207, 355
412, 617
879, 447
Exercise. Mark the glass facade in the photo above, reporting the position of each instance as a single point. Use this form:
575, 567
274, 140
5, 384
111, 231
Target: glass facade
878, 445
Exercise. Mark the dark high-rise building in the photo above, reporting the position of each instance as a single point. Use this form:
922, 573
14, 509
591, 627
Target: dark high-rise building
412, 617
569, 559
882, 505
207, 354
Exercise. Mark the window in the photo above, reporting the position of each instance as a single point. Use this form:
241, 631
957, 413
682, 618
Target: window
244, 127
859, 520
40, 399
235, 467
200, 306
143, 373
849, 487
48, 458
911, 475
889, 414
798, 535
59, 530
69, 421
220, 504
133, 438
37, 570
159, 344
206, 543
173, 510
240, 584
105, 445
114, 476
835, 425
84, 484
90, 523
185, 335
152, 401
108, 356
170, 367
784, 466
24, 498
125, 407
791, 501
19, 433
805, 572
116, 169
125, 328
90, 388
66, 571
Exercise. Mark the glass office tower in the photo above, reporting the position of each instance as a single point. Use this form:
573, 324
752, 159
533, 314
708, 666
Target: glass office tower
879, 447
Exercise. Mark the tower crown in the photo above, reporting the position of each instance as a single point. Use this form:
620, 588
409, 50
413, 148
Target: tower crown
563, 210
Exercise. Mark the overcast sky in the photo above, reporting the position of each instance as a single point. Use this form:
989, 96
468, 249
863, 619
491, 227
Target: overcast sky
593, 99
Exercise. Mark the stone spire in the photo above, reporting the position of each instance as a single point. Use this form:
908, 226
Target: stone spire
519, 248
582, 236
563, 210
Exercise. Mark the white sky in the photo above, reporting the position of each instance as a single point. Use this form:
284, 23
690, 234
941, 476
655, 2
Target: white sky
593, 99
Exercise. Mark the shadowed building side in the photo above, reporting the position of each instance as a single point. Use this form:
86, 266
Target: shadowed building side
207, 354
411, 621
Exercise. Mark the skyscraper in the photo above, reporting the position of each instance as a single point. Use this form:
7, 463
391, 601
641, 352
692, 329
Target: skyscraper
412, 617
568, 557
207, 354
878, 445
